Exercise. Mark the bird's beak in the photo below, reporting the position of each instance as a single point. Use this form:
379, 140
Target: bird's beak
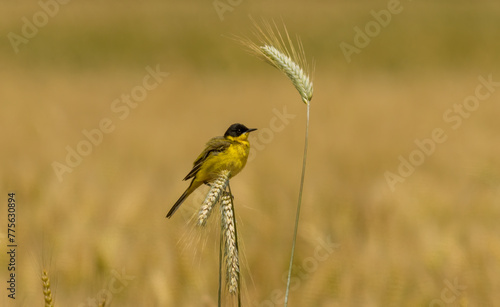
250, 130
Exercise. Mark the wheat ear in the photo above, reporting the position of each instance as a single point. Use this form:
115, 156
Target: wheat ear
228, 225
293, 71
218, 186
47, 293
279, 51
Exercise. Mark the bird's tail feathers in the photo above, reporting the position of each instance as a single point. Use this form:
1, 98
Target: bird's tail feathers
194, 184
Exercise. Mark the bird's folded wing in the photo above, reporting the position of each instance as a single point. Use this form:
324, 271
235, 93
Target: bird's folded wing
214, 147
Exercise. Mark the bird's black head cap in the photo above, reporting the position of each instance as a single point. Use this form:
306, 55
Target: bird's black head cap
236, 130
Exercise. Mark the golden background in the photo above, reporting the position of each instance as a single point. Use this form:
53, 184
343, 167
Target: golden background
431, 241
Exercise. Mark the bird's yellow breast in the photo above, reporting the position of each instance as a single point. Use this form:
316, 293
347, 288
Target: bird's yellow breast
233, 159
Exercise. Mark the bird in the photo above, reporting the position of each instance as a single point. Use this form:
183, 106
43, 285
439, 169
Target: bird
228, 152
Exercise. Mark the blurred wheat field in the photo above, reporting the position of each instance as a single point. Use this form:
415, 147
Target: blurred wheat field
433, 241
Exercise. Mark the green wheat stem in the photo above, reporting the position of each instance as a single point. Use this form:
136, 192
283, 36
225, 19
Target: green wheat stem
299, 205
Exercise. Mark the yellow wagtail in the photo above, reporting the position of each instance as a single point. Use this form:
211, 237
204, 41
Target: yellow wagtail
228, 152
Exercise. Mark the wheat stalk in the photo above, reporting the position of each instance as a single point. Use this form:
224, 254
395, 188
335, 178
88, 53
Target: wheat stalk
218, 186
228, 226
47, 293
279, 51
